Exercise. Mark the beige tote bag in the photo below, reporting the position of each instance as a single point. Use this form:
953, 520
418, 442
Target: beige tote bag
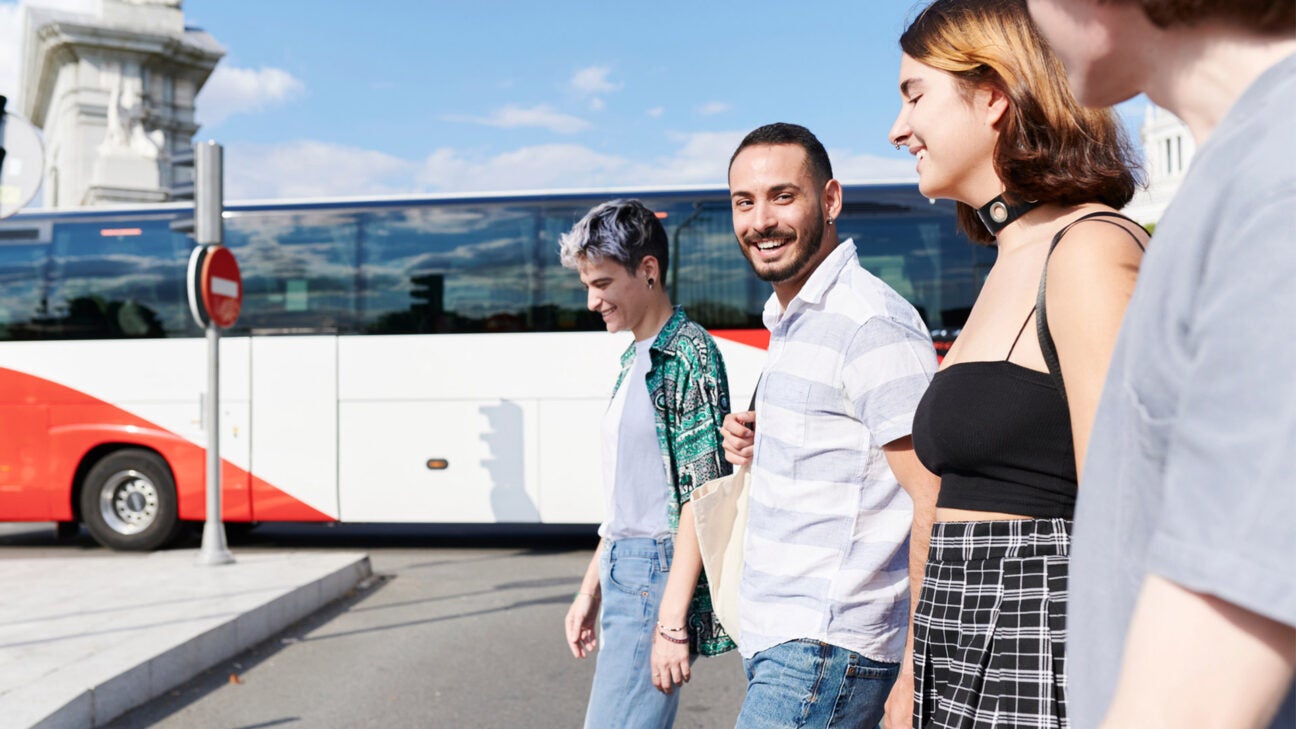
720, 518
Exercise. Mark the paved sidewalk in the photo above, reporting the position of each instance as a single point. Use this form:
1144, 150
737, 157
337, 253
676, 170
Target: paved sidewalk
85, 639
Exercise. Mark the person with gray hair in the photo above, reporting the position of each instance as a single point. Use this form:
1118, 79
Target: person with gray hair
660, 440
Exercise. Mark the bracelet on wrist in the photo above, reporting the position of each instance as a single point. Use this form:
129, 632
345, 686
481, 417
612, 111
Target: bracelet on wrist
681, 629
672, 639
590, 595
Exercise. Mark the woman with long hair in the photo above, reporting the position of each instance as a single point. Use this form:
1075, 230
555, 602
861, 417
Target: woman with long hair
644, 586
987, 112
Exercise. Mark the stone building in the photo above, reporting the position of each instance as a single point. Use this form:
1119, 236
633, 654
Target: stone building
114, 94
1168, 149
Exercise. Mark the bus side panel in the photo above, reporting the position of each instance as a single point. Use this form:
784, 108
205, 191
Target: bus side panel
26, 491
571, 476
75, 430
463, 461
294, 427
472, 401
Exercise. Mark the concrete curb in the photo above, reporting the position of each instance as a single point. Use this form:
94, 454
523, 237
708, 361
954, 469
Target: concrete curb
262, 594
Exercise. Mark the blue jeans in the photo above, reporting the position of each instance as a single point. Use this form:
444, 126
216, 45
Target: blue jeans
632, 575
806, 683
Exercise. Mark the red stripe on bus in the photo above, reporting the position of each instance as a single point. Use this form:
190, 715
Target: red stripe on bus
46, 430
758, 338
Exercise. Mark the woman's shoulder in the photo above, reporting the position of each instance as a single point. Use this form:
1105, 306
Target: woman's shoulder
1097, 222
1095, 240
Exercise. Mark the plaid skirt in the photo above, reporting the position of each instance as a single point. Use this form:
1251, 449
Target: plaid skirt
990, 626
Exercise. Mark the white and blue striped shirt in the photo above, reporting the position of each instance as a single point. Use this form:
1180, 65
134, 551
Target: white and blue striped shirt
827, 545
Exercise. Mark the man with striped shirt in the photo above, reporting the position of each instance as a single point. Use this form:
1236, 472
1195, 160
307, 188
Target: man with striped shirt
825, 589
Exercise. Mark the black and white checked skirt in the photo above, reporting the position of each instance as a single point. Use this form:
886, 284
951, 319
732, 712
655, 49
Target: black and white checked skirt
990, 627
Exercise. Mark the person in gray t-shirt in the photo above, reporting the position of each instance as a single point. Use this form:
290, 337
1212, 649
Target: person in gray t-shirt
1183, 593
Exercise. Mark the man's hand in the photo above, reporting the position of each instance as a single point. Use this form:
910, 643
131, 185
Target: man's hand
900, 702
739, 437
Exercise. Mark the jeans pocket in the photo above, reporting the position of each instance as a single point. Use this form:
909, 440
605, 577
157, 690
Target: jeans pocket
866, 668
631, 575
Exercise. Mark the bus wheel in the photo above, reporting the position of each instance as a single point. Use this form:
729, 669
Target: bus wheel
128, 501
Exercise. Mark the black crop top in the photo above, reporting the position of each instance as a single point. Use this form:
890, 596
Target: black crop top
999, 436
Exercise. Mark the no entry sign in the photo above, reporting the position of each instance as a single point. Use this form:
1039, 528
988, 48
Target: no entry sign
215, 276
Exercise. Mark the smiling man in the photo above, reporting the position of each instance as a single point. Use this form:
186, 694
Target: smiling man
825, 591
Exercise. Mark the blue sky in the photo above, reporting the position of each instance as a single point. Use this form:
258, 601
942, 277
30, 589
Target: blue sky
395, 96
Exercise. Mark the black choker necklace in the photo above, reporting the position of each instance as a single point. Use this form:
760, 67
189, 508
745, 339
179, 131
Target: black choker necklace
998, 213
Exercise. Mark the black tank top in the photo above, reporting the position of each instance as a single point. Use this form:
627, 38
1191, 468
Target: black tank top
999, 434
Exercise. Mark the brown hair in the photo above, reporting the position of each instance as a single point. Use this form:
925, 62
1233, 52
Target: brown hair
1050, 148
1267, 17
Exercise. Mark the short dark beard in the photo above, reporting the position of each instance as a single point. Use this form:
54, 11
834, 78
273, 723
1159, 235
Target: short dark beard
796, 265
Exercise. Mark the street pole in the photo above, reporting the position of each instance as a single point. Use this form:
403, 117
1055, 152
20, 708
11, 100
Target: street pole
209, 230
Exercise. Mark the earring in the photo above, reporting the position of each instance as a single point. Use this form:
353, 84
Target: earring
897, 146
650, 283
830, 221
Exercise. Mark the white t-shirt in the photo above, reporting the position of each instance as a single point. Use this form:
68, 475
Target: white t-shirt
634, 480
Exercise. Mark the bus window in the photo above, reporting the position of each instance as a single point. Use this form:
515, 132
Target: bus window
448, 269
916, 248
714, 283
560, 299
298, 270
111, 279
24, 253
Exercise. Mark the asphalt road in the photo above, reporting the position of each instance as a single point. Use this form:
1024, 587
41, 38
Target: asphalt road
458, 628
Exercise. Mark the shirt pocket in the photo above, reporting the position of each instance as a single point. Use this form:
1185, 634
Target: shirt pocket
786, 406
1152, 421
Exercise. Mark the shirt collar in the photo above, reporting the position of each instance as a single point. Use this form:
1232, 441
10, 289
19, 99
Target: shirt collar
815, 287
664, 342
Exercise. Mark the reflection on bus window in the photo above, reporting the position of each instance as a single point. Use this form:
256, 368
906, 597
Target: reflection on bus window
439, 266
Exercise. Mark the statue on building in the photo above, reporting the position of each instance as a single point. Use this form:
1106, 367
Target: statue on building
114, 93
126, 118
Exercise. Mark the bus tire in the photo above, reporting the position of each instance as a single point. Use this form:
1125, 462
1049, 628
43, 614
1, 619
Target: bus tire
128, 501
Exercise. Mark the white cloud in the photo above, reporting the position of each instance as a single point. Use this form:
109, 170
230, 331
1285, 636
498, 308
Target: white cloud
703, 157
711, 108
232, 90
526, 168
592, 81
312, 169
849, 167
317, 169
596, 104
514, 117
700, 158
656, 112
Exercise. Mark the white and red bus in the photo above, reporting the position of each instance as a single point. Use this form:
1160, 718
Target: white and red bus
396, 360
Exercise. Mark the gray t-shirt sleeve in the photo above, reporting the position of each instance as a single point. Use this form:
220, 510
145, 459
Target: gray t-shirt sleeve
1230, 501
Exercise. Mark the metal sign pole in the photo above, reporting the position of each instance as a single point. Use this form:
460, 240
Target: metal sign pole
209, 231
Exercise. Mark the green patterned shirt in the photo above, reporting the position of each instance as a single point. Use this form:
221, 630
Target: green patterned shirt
689, 390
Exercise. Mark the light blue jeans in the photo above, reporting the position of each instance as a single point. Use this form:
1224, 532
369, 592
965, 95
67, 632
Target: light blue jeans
806, 683
632, 574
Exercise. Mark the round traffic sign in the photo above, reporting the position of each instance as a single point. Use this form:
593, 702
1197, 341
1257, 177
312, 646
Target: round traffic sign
222, 286
23, 164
